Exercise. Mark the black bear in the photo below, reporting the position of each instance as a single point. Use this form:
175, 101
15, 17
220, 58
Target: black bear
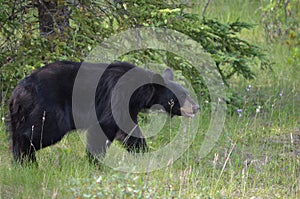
42, 107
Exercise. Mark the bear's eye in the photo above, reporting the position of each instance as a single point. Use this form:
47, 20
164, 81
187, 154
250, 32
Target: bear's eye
171, 102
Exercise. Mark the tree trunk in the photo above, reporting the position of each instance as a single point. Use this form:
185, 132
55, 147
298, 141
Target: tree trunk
53, 16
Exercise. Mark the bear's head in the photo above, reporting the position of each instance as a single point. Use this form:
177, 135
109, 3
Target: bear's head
174, 98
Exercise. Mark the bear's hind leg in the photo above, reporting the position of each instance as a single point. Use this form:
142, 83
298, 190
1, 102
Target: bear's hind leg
23, 150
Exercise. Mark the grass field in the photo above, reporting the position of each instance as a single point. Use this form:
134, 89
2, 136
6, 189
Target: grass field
256, 156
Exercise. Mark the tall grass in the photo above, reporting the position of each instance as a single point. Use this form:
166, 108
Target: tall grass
257, 156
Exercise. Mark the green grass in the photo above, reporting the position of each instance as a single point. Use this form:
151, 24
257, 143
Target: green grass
257, 155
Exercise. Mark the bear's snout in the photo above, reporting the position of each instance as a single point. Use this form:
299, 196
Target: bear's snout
189, 108
196, 108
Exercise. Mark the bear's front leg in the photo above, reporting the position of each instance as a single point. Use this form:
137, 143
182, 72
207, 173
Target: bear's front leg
133, 142
97, 142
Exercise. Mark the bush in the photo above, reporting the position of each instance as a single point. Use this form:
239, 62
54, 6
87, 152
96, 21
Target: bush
281, 22
24, 48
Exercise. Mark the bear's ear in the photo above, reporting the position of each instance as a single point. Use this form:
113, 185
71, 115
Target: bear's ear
168, 74
158, 79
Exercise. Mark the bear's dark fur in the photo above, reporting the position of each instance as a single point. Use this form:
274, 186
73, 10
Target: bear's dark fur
42, 112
